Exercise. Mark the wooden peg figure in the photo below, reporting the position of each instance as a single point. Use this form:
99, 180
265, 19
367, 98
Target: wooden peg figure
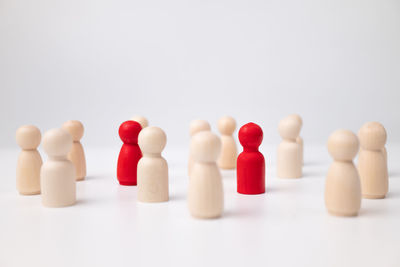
205, 196
299, 139
228, 156
250, 163
372, 165
77, 154
29, 161
196, 126
289, 163
152, 171
58, 173
142, 120
342, 187
130, 153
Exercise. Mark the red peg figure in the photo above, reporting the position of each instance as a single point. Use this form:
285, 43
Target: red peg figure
130, 153
250, 163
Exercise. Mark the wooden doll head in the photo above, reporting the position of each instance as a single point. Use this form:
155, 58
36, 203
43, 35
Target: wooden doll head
289, 128
57, 142
250, 135
129, 132
226, 125
205, 146
28, 137
141, 120
198, 126
75, 129
152, 140
343, 145
297, 118
372, 136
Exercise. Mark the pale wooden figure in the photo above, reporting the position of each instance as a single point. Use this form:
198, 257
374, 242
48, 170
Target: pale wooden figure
152, 169
76, 154
29, 161
289, 163
195, 127
57, 175
372, 166
141, 120
342, 187
228, 156
205, 196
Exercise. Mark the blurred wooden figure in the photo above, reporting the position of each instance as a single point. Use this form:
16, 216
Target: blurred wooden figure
299, 139
372, 165
152, 170
228, 156
29, 161
141, 120
289, 164
342, 187
57, 175
76, 154
195, 127
205, 196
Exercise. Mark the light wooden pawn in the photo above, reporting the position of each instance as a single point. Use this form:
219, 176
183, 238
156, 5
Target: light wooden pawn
299, 139
196, 126
76, 154
152, 169
141, 120
289, 163
29, 160
372, 165
205, 196
342, 186
57, 175
228, 156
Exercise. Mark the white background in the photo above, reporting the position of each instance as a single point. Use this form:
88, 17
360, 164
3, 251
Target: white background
337, 63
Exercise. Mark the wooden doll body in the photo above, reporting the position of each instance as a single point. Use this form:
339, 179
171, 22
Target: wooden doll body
343, 189
195, 127
228, 156
152, 172
342, 186
57, 175
205, 194
129, 154
299, 140
29, 160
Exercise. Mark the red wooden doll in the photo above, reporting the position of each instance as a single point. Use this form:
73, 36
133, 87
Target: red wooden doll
130, 153
250, 163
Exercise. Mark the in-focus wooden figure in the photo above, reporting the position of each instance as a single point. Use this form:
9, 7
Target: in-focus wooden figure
76, 154
289, 162
152, 169
205, 196
141, 120
228, 156
29, 160
57, 176
342, 187
196, 126
372, 165
299, 139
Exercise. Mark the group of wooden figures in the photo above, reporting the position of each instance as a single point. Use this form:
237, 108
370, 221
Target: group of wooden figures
140, 163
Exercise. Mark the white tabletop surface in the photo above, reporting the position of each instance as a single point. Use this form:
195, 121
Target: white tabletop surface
287, 226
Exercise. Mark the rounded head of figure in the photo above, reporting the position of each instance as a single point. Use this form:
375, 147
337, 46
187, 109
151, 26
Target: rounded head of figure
142, 120
198, 126
226, 125
297, 118
343, 145
152, 140
250, 135
57, 142
205, 146
129, 132
372, 136
289, 128
75, 129
28, 137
